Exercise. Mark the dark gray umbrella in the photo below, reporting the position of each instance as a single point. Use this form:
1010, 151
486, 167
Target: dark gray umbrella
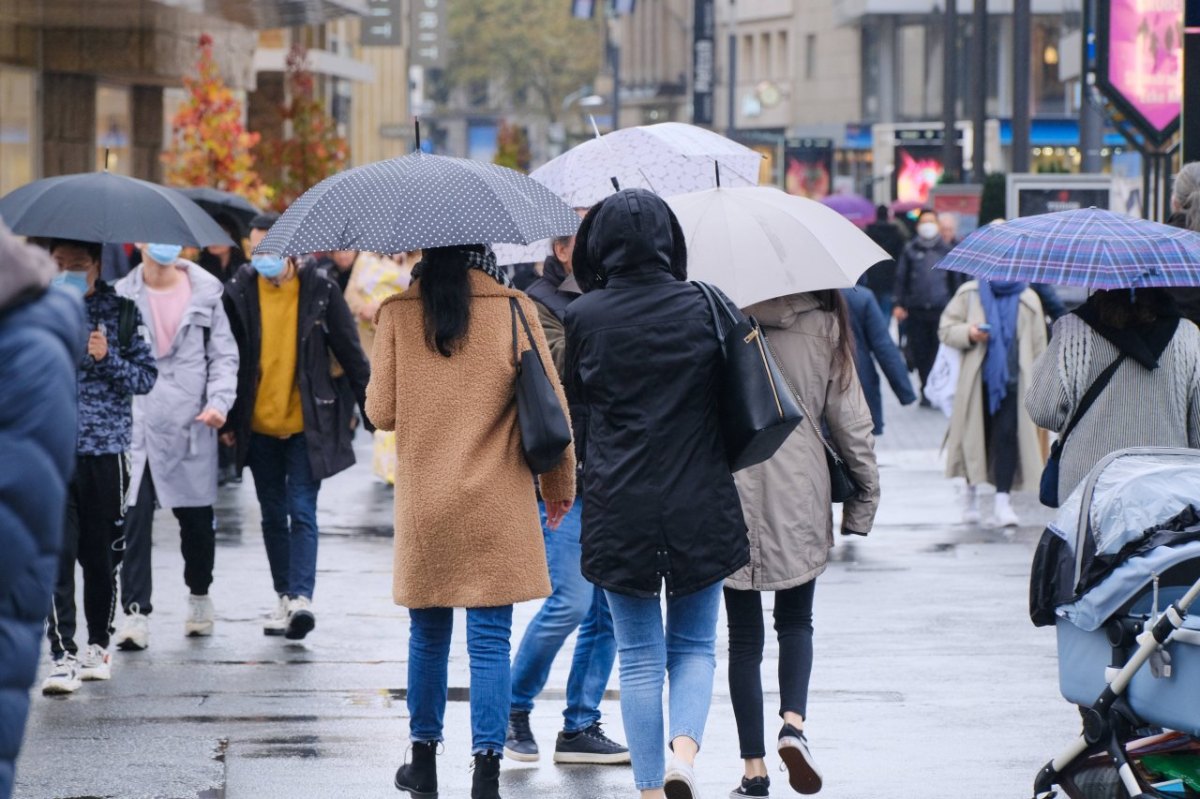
416, 202
218, 203
101, 206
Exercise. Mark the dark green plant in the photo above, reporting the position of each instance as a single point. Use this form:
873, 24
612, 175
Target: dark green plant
993, 202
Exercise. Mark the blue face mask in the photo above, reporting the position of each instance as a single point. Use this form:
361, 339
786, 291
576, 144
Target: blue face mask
73, 280
164, 254
268, 265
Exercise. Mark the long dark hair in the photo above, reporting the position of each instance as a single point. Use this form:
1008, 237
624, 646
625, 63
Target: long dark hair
832, 301
445, 296
1122, 308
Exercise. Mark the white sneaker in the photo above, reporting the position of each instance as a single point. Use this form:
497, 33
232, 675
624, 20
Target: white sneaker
1003, 513
96, 664
300, 619
971, 513
134, 635
276, 623
63, 678
679, 781
200, 617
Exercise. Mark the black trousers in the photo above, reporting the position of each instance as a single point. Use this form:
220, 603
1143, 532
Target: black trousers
794, 627
921, 328
1000, 432
93, 536
197, 542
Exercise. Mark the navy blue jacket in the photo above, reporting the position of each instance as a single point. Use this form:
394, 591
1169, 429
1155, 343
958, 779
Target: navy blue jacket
41, 341
872, 344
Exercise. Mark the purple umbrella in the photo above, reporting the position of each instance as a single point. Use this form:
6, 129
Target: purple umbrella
856, 208
1089, 247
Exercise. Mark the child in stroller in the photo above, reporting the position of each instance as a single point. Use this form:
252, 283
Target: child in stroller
1115, 573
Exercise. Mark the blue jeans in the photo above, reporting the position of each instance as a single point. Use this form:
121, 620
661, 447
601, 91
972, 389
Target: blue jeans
686, 651
287, 495
574, 603
488, 631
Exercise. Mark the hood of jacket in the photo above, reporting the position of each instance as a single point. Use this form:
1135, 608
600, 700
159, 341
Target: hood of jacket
631, 232
25, 270
206, 289
782, 312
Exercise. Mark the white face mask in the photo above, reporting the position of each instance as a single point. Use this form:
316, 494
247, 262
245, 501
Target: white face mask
928, 230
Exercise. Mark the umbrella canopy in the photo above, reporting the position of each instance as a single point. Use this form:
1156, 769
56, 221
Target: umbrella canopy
856, 208
1088, 247
216, 202
669, 158
416, 202
103, 207
757, 243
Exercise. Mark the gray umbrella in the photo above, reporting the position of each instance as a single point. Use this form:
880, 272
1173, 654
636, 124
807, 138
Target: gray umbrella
416, 202
101, 206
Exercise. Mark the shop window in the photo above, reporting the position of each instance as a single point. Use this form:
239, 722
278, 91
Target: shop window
18, 113
114, 128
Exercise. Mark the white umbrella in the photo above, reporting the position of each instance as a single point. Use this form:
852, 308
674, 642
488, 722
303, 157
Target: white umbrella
757, 243
669, 158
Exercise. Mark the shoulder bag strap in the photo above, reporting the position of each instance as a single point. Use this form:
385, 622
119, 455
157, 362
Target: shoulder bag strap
1093, 393
512, 308
515, 305
833, 453
707, 292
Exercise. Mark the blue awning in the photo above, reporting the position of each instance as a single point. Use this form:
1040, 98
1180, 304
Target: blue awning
1056, 133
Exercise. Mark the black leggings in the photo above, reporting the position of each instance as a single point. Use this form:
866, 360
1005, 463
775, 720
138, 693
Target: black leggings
793, 625
1000, 433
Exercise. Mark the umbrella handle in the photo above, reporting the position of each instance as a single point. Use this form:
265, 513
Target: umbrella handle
417, 132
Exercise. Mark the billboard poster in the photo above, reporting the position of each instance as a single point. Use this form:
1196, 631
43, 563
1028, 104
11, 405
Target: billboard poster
704, 44
1033, 194
808, 167
960, 201
1141, 61
917, 169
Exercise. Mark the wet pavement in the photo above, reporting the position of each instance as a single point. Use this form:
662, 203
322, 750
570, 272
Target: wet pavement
929, 680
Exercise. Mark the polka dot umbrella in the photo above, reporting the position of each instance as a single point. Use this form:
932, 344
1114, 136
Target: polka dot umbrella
417, 202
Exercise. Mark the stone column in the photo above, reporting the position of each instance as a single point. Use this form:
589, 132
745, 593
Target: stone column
68, 123
147, 112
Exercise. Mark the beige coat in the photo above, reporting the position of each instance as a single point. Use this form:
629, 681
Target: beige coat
468, 531
966, 450
786, 500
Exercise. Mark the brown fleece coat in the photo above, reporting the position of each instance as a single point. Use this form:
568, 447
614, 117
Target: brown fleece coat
468, 531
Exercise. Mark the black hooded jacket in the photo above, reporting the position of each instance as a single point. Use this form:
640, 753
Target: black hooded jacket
659, 502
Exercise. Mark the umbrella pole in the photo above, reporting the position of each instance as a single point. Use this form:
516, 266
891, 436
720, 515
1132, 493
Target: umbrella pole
417, 132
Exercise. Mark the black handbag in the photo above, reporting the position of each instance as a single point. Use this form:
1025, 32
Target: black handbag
757, 411
1048, 488
545, 432
842, 485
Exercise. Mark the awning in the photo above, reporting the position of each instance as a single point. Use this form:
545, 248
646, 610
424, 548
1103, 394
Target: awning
124, 14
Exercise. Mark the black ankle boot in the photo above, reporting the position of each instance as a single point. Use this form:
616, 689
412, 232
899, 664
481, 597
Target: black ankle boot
485, 783
419, 777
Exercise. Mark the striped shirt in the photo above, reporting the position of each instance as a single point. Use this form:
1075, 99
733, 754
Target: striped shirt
1138, 408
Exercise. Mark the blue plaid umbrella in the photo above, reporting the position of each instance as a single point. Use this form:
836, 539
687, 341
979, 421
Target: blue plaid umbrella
1089, 247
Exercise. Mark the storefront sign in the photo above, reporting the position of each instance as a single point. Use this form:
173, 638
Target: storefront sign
1140, 49
381, 25
1030, 195
808, 167
703, 62
428, 32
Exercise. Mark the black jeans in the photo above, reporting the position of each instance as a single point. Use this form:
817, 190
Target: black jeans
92, 534
1000, 432
793, 625
921, 328
197, 542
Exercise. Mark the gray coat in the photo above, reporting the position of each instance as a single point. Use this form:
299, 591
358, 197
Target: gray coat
199, 371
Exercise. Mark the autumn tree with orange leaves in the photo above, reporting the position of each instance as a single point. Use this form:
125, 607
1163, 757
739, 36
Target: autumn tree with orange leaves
209, 145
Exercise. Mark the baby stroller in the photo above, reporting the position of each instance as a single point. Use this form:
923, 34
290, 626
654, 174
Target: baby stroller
1115, 573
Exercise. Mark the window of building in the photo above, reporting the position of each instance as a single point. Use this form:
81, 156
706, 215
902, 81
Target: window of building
18, 137
746, 58
766, 57
810, 56
114, 127
783, 67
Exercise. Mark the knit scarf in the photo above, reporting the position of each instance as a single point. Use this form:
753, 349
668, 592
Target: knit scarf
483, 261
1001, 303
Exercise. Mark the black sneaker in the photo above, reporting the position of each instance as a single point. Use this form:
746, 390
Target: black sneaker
758, 787
802, 770
519, 744
589, 746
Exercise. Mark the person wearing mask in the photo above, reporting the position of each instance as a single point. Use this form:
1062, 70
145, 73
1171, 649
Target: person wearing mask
659, 502
873, 347
948, 228
1001, 330
174, 456
222, 261
467, 523
922, 292
290, 421
42, 338
574, 603
117, 366
881, 278
1152, 399
789, 510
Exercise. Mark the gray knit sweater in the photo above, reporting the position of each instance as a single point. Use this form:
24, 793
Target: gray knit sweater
1139, 408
